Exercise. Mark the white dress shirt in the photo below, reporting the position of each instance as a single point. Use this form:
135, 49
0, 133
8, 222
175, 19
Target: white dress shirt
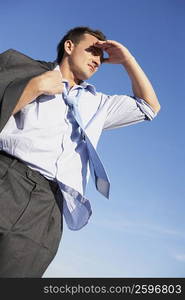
45, 136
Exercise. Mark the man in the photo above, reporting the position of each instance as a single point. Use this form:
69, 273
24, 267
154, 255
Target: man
44, 142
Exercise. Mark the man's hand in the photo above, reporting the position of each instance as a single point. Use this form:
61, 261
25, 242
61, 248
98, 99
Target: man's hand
118, 54
49, 83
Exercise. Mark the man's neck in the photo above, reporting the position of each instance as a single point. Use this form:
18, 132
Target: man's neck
68, 74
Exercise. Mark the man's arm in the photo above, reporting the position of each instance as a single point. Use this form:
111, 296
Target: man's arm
49, 83
142, 88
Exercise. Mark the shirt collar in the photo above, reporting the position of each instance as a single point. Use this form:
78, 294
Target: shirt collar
91, 88
88, 86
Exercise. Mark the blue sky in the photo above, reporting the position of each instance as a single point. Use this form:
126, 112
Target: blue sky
140, 231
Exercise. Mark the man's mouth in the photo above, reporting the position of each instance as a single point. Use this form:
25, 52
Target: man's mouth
91, 67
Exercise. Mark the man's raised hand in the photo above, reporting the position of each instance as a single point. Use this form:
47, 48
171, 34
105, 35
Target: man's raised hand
117, 53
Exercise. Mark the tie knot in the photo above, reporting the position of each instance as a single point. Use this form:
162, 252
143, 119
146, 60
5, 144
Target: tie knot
69, 100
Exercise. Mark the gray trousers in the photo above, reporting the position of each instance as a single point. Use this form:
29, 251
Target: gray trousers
30, 220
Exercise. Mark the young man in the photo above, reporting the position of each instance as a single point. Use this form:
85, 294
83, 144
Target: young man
50, 122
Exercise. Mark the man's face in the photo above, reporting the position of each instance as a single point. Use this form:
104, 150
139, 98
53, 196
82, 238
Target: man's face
85, 58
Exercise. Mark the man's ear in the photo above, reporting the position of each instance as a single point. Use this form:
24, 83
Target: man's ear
68, 46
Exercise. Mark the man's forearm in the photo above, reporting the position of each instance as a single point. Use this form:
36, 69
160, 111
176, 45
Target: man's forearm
30, 93
141, 85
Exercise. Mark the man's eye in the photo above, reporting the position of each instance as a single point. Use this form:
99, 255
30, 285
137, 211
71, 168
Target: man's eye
94, 50
97, 51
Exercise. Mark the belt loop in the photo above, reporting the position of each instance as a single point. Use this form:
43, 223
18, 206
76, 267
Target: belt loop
29, 173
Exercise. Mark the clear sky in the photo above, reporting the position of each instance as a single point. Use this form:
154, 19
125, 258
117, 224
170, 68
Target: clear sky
140, 231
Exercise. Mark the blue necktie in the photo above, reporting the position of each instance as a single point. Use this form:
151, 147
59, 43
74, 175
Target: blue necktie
96, 168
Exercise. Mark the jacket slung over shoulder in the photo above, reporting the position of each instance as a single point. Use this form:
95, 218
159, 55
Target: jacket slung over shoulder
16, 70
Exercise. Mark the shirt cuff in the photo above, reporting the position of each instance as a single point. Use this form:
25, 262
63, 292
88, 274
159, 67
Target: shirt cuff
145, 108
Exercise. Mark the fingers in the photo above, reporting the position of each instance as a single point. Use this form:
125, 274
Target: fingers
105, 44
50, 83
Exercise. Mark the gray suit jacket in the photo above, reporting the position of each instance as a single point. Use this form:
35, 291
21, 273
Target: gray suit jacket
16, 69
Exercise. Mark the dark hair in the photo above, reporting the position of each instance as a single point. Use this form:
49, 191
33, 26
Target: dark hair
76, 35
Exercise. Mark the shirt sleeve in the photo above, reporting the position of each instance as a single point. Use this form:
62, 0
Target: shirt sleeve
125, 110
